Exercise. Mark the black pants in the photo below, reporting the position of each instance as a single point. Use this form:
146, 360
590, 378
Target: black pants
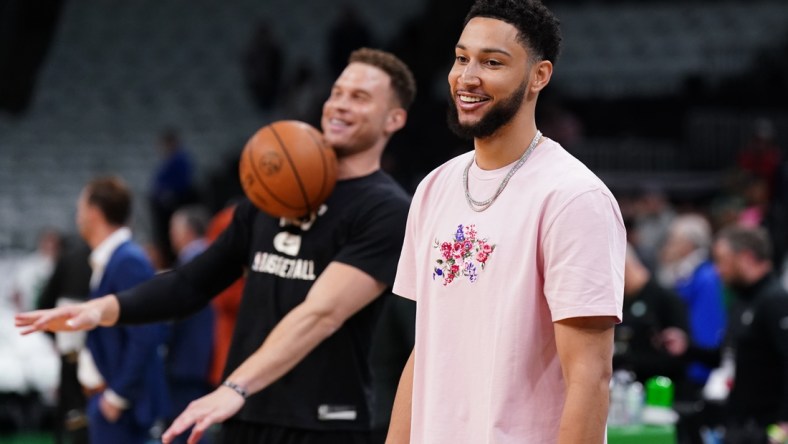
241, 432
71, 420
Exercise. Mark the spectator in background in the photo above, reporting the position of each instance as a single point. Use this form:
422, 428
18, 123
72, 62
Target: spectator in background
223, 183
345, 36
756, 202
187, 232
34, 270
28, 281
392, 342
133, 394
648, 310
758, 334
762, 211
226, 304
561, 124
652, 219
173, 187
654, 326
303, 95
29, 366
190, 345
155, 256
69, 284
686, 268
262, 66
761, 156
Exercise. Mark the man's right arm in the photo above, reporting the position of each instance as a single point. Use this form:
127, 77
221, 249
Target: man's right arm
174, 294
186, 290
85, 316
167, 296
399, 428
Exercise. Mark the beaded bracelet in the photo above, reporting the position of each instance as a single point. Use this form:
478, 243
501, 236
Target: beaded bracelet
236, 388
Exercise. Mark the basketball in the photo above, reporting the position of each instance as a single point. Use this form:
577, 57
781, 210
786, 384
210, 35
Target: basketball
287, 170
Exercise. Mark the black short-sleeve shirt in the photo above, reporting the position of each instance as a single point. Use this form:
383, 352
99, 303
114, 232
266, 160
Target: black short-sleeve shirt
361, 224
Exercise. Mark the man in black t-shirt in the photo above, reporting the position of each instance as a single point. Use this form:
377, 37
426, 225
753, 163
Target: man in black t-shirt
300, 350
649, 310
758, 334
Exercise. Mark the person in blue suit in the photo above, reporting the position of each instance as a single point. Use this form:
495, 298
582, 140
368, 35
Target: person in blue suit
134, 392
190, 344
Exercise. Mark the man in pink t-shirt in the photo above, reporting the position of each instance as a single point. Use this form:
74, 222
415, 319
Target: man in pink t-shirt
514, 254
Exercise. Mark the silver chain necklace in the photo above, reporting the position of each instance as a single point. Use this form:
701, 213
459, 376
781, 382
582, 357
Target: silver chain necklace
483, 205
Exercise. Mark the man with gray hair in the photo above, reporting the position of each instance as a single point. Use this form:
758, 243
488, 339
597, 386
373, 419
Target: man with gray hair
686, 268
187, 232
190, 346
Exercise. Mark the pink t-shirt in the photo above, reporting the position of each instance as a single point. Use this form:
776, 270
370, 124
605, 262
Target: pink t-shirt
489, 286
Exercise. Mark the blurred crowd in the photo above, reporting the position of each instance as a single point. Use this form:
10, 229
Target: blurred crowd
705, 298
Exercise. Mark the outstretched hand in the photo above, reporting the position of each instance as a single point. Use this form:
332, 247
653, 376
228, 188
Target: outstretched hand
85, 316
202, 413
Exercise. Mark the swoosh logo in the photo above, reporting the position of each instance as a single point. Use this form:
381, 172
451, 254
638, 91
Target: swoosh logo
287, 243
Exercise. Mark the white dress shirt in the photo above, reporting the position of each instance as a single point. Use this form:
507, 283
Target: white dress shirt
101, 255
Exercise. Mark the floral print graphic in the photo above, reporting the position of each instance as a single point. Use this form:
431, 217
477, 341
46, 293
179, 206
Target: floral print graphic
464, 255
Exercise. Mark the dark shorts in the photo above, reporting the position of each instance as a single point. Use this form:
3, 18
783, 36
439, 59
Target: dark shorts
240, 432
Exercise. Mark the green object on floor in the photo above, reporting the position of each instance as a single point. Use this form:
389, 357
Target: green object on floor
659, 391
641, 434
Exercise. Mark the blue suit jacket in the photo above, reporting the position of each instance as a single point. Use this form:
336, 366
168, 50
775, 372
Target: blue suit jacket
702, 292
128, 357
190, 346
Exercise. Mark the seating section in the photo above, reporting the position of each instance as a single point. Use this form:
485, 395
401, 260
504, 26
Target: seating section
647, 49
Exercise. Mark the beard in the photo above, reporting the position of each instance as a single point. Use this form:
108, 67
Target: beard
498, 116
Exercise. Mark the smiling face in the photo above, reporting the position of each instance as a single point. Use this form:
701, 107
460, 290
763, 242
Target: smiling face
489, 78
358, 114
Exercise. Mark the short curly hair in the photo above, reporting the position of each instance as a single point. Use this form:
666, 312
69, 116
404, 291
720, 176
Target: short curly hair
402, 80
537, 28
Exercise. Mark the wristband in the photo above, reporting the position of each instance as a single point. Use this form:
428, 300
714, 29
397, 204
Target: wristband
236, 388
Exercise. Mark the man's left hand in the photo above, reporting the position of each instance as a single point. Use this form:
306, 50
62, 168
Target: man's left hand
203, 413
111, 412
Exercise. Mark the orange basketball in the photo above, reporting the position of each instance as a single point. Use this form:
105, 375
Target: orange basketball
287, 170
